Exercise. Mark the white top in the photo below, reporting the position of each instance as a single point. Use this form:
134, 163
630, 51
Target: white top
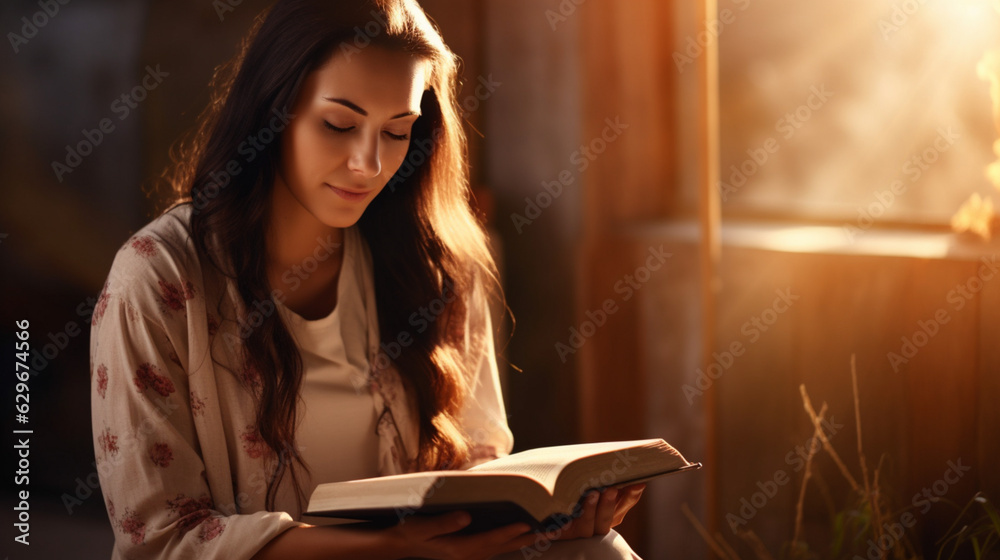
335, 366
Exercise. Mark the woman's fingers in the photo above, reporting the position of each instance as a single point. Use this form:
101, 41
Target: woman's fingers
585, 523
601, 512
515, 538
486, 544
580, 524
505, 534
636, 488
605, 513
627, 498
431, 537
430, 527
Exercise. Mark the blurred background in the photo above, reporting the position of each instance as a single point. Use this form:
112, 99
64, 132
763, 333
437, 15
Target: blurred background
702, 210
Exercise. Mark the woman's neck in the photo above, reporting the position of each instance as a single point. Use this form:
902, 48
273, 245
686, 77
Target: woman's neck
295, 238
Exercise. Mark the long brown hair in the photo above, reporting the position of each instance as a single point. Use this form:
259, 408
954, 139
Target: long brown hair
423, 236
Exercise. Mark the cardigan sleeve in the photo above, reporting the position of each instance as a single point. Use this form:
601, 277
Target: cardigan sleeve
149, 461
483, 416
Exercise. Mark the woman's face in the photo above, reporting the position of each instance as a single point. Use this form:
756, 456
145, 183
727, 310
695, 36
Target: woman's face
350, 132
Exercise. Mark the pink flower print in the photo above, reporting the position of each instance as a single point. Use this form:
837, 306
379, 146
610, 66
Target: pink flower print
253, 444
148, 375
133, 315
386, 387
172, 296
161, 454
191, 520
132, 525
197, 405
385, 421
144, 246
102, 304
211, 528
108, 442
191, 511
183, 505
102, 380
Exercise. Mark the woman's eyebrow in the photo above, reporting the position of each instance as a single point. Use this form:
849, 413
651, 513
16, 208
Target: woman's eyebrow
352, 106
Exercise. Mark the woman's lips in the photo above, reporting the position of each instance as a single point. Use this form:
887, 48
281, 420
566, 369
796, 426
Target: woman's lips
348, 195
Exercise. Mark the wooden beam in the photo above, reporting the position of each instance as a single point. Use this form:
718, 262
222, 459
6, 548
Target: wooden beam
710, 246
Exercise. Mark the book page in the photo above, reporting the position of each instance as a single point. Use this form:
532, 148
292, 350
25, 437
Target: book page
546, 463
545, 471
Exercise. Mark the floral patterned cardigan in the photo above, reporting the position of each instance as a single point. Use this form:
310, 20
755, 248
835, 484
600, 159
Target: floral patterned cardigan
182, 467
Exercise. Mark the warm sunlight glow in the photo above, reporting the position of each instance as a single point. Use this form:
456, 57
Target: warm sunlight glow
977, 214
831, 240
869, 114
968, 19
989, 70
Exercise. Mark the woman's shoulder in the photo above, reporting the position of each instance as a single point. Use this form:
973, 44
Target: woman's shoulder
158, 264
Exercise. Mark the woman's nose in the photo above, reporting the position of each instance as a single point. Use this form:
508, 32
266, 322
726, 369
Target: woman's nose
365, 157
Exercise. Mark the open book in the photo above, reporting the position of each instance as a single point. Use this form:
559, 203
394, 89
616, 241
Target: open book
541, 487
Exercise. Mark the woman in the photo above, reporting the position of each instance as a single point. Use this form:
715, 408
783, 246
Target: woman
312, 308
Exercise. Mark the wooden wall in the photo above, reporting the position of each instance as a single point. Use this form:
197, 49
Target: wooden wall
628, 77
531, 128
938, 409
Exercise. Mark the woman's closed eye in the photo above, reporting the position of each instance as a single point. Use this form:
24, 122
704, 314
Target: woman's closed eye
350, 128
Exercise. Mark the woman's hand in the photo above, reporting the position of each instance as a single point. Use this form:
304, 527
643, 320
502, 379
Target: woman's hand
431, 537
601, 512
